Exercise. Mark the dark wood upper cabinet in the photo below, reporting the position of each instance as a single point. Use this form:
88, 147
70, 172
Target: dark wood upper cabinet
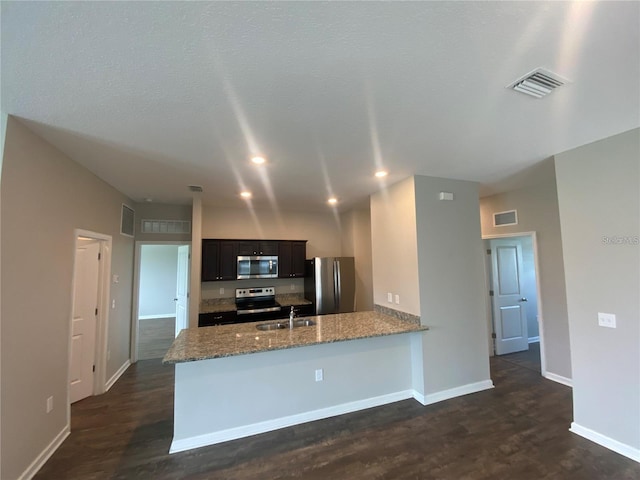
257, 247
291, 257
220, 257
218, 260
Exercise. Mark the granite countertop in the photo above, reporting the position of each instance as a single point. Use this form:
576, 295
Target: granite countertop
215, 305
239, 339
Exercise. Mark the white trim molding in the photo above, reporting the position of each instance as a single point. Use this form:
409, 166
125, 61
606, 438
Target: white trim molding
49, 450
554, 377
453, 392
117, 375
607, 442
261, 427
155, 317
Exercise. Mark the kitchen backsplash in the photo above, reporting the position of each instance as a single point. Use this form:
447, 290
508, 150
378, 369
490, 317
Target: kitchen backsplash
216, 290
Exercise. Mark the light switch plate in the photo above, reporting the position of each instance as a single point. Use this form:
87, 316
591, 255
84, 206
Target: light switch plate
397, 299
389, 297
607, 320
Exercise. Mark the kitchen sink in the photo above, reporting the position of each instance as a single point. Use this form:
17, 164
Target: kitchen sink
301, 322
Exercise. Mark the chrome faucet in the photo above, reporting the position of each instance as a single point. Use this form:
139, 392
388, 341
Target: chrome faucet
292, 314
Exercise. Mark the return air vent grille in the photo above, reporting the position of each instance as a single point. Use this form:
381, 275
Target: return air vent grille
126, 221
538, 83
166, 226
502, 219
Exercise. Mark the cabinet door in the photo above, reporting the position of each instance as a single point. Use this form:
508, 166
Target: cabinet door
210, 255
284, 259
298, 256
268, 247
228, 261
247, 247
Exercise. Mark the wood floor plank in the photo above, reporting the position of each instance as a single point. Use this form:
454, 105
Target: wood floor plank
519, 430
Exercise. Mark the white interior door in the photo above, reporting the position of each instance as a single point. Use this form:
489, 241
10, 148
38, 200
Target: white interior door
85, 312
509, 312
182, 288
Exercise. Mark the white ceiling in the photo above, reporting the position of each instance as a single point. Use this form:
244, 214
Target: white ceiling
154, 96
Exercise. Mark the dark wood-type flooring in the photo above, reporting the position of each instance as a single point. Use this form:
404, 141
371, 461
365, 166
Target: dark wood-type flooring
519, 430
155, 336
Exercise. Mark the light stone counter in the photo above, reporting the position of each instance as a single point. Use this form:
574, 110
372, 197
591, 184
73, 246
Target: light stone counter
240, 339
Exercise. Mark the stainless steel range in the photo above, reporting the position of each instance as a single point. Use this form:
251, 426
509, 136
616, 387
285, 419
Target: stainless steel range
257, 303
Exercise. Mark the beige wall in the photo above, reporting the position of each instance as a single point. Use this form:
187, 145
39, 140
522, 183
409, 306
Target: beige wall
45, 196
537, 206
321, 230
356, 242
599, 198
394, 247
452, 285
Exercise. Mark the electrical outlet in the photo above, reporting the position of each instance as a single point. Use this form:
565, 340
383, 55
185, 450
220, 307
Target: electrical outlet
389, 297
397, 299
319, 375
49, 404
113, 304
221, 290
293, 286
607, 320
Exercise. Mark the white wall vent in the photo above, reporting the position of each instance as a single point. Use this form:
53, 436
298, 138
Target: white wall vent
127, 221
502, 219
166, 226
538, 83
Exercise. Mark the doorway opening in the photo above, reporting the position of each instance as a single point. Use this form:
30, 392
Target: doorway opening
161, 297
89, 316
514, 306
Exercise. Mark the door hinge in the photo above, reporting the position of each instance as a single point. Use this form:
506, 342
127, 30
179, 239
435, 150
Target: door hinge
491, 293
94, 368
493, 335
488, 251
187, 295
96, 311
99, 255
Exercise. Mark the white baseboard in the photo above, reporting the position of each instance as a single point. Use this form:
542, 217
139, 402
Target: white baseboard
534, 339
41, 459
117, 375
282, 422
607, 442
151, 317
453, 392
558, 378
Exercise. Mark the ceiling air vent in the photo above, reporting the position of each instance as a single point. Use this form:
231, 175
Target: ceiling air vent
195, 188
538, 83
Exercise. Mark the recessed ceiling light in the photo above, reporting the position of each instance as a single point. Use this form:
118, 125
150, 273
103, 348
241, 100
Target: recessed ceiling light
148, 200
245, 194
332, 201
381, 173
258, 160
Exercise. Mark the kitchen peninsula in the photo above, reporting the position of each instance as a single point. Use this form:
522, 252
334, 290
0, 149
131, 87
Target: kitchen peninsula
232, 381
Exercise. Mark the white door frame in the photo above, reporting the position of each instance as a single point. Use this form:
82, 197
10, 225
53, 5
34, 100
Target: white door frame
136, 292
536, 262
102, 322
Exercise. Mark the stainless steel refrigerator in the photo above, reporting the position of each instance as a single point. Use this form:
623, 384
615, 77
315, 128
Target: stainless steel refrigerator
330, 283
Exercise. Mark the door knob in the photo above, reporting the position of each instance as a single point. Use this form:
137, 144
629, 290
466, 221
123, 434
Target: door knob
523, 299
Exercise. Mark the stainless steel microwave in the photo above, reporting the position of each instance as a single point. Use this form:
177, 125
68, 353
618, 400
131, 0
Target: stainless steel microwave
257, 266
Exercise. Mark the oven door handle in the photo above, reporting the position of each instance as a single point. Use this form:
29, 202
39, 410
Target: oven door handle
259, 310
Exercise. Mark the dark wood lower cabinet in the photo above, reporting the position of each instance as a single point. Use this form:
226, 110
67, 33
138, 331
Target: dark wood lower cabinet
217, 318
